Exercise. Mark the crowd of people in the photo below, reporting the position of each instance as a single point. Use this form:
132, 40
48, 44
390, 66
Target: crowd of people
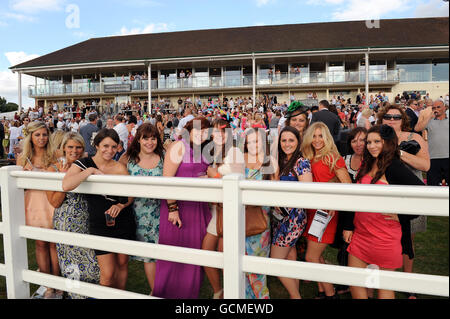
384, 144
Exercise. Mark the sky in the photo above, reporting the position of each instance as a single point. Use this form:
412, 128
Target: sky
32, 28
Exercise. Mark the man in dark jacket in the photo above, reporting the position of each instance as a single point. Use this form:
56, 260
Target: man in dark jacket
329, 118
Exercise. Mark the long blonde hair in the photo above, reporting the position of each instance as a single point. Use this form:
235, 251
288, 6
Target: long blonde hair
329, 153
28, 150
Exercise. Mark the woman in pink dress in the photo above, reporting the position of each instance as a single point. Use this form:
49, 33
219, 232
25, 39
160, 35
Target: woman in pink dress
376, 239
37, 156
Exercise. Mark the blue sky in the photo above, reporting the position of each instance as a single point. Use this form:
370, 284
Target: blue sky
31, 28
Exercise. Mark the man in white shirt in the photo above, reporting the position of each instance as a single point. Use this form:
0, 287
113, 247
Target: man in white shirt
61, 125
121, 129
187, 117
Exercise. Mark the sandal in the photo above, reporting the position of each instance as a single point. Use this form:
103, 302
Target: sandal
218, 295
49, 293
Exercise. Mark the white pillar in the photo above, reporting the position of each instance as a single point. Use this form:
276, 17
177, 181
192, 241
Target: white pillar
19, 84
254, 79
15, 246
233, 238
367, 77
149, 88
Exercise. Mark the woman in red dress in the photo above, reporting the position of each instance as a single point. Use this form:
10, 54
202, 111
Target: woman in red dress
376, 239
327, 166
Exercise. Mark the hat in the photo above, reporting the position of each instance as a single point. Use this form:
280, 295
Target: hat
296, 108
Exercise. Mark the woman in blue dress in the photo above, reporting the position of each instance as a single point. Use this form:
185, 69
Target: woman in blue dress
289, 223
71, 215
145, 157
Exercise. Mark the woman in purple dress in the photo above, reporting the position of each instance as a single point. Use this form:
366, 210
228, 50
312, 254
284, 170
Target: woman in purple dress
183, 223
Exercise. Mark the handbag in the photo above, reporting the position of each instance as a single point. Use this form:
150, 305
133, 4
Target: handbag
255, 220
412, 147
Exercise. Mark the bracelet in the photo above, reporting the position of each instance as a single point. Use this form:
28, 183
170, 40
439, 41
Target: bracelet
173, 207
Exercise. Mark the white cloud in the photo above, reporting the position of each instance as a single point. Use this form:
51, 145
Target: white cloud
18, 16
15, 58
432, 8
262, 3
34, 6
9, 81
149, 28
346, 10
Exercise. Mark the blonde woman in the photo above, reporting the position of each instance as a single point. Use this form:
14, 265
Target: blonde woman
56, 139
38, 155
363, 120
71, 215
327, 166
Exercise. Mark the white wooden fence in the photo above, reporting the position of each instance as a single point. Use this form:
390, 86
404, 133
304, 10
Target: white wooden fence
234, 192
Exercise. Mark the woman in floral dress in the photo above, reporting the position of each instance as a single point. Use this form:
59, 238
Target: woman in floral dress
145, 157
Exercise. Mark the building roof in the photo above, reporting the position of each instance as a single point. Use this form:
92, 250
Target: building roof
277, 38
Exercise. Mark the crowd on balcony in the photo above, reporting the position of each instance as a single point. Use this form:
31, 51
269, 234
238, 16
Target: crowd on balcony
372, 142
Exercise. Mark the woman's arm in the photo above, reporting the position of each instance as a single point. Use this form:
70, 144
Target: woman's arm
75, 176
55, 198
115, 209
343, 175
172, 161
420, 161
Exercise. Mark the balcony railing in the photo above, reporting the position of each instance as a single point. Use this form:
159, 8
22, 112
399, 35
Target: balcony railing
225, 81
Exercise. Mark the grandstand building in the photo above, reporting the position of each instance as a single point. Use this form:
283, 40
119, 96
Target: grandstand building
338, 58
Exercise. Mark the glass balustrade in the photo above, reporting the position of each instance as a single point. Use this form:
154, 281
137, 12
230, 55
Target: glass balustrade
224, 81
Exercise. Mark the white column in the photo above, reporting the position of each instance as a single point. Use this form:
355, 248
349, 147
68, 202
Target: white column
367, 77
233, 238
149, 88
19, 84
16, 256
254, 79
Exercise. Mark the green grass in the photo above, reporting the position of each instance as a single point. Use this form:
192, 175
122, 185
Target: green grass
432, 250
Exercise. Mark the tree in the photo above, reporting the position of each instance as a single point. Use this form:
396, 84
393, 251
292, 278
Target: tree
7, 107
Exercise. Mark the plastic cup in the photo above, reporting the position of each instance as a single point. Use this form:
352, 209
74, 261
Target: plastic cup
110, 221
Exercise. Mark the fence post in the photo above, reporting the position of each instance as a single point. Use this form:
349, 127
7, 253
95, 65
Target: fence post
233, 238
13, 214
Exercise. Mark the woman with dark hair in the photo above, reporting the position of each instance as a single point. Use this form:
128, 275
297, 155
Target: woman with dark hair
145, 157
109, 216
414, 153
376, 239
289, 222
356, 143
183, 223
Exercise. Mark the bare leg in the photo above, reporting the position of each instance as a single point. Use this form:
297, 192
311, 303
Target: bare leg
107, 265
43, 256
291, 284
357, 292
122, 271
54, 260
150, 272
313, 254
210, 243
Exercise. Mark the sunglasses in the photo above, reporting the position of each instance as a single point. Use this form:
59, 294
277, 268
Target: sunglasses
392, 117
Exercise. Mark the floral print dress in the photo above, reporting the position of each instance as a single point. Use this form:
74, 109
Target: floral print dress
289, 223
257, 245
146, 210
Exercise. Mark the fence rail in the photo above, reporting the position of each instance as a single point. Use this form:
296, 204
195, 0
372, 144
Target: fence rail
234, 192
